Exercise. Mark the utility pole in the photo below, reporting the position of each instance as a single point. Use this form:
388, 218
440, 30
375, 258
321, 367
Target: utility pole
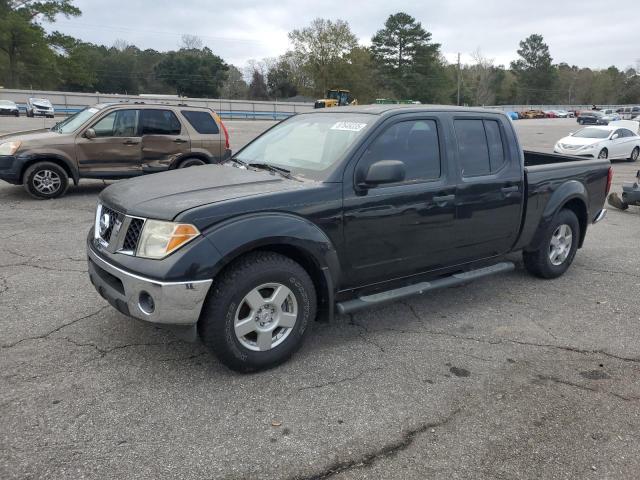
458, 79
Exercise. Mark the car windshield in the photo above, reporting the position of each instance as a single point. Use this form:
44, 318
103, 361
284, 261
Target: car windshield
73, 122
592, 133
307, 145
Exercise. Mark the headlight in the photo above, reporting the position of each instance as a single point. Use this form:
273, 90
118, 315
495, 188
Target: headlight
588, 147
159, 239
9, 148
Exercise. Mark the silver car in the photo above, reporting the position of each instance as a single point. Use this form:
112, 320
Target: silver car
40, 107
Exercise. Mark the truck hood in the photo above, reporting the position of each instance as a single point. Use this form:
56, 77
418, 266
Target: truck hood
164, 195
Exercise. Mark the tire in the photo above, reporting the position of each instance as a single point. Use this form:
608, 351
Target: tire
603, 155
255, 278
44, 180
539, 262
191, 162
634, 154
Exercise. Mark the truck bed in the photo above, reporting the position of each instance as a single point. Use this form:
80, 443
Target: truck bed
532, 159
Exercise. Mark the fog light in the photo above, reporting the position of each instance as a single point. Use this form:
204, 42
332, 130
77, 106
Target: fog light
146, 303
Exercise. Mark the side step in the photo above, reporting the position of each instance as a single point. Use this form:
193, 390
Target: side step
419, 288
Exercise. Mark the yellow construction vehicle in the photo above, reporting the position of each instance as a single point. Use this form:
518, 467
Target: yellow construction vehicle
336, 98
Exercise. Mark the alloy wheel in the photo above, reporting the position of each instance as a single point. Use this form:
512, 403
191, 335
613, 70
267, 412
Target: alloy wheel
560, 245
47, 182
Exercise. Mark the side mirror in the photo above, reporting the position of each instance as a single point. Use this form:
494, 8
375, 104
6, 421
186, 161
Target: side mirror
90, 133
571, 134
614, 136
384, 171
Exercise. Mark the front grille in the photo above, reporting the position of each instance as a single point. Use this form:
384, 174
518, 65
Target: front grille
112, 215
133, 235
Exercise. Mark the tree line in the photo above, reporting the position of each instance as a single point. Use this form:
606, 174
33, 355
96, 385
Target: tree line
403, 62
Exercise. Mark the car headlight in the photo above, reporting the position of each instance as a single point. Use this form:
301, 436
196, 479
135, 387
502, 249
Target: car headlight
158, 239
9, 148
588, 147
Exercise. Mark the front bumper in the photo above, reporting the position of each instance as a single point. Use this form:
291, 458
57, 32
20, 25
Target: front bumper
9, 169
574, 153
173, 303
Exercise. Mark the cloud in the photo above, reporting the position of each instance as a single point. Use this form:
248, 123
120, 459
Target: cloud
579, 32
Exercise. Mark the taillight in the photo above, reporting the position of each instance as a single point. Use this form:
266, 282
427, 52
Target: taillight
224, 130
609, 180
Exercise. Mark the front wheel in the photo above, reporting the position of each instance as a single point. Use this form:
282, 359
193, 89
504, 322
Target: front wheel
45, 180
603, 155
258, 312
191, 162
634, 154
558, 248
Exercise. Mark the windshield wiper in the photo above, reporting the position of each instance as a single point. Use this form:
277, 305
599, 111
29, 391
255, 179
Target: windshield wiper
272, 168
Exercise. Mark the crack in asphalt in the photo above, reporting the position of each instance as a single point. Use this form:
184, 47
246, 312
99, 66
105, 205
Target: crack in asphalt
57, 329
104, 351
334, 382
584, 387
42, 267
602, 270
388, 450
361, 333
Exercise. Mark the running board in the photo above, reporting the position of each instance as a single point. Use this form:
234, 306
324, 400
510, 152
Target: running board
419, 288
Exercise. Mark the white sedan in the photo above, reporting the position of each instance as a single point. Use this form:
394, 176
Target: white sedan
618, 140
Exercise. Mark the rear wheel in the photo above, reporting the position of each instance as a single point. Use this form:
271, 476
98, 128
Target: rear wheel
604, 154
634, 154
258, 312
45, 180
191, 162
558, 248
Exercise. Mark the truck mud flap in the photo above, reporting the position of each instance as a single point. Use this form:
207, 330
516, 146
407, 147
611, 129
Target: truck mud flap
366, 301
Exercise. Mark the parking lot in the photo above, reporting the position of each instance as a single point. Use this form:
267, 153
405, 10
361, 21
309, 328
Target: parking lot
508, 377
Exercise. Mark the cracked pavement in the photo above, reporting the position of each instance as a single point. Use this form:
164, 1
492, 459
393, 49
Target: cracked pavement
507, 377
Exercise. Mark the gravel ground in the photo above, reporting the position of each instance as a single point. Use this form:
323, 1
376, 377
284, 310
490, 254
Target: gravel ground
509, 377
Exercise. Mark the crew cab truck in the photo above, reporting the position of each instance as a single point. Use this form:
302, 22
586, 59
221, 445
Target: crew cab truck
333, 212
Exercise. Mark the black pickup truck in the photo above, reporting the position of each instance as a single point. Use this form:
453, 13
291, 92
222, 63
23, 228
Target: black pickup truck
333, 212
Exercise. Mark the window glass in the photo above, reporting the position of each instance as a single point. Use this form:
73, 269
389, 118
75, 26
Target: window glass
415, 143
203, 122
619, 132
496, 149
160, 122
121, 123
472, 148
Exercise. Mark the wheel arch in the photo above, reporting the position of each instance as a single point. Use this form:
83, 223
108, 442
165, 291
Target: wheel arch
186, 156
66, 164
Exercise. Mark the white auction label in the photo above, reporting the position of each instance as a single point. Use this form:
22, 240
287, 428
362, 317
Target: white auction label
349, 126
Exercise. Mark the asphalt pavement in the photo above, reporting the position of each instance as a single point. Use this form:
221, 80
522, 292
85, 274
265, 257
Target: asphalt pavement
510, 377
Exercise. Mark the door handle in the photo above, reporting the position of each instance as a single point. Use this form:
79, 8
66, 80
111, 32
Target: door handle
512, 189
442, 199
179, 140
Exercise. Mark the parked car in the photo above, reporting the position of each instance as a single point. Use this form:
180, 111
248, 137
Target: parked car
563, 114
112, 141
40, 107
7, 107
610, 115
592, 117
534, 114
336, 211
628, 113
618, 140
550, 114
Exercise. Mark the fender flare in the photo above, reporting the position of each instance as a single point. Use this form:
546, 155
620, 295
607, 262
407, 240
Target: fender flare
567, 192
283, 232
30, 158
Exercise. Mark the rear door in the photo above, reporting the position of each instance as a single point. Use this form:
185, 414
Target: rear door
164, 139
616, 145
205, 134
115, 150
396, 230
490, 189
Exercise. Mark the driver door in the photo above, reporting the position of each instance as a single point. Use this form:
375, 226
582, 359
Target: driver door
115, 151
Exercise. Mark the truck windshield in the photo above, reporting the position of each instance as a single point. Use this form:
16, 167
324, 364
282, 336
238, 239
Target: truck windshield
307, 145
592, 133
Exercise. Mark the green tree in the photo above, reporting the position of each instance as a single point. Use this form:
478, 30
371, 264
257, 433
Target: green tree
323, 45
193, 73
23, 40
534, 70
234, 87
281, 80
258, 86
396, 46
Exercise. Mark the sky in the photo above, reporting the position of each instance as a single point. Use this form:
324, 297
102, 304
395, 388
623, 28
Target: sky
587, 33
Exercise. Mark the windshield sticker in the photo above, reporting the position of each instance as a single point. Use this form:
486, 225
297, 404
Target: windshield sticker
349, 126
92, 110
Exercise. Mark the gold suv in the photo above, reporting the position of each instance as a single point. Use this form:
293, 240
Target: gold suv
110, 141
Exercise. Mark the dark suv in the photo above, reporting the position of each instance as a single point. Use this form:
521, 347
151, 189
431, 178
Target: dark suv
111, 141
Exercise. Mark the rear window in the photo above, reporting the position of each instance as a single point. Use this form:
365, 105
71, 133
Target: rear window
202, 122
480, 147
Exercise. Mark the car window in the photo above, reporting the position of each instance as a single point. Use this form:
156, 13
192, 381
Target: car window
496, 147
473, 148
414, 142
619, 132
627, 133
202, 122
121, 123
160, 122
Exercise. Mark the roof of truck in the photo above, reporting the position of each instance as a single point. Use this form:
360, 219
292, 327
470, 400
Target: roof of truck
382, 109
